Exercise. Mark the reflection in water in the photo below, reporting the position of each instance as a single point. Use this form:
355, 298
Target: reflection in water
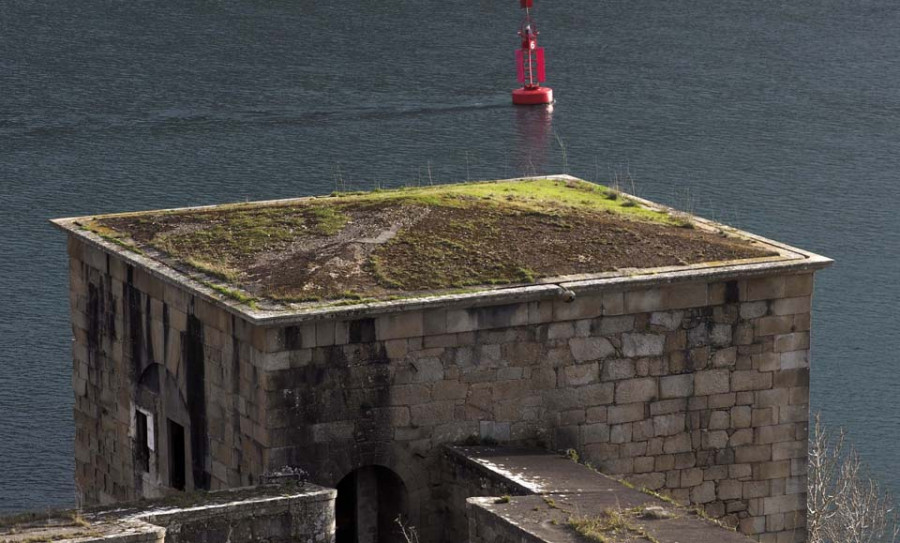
534, 139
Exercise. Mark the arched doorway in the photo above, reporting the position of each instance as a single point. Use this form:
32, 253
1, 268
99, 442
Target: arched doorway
369, 501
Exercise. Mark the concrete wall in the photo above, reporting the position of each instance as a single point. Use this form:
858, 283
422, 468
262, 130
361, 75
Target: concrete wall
141, 343
696, 389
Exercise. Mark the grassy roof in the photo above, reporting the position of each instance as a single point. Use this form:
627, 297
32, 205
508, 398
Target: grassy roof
405, 242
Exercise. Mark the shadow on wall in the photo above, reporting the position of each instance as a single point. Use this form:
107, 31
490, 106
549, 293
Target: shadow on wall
369, 501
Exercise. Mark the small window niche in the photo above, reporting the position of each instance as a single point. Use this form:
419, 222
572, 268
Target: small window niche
144, 443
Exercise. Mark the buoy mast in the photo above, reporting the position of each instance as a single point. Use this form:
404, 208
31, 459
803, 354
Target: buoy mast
530, 64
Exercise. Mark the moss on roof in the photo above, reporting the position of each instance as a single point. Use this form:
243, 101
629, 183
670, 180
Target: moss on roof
405, 242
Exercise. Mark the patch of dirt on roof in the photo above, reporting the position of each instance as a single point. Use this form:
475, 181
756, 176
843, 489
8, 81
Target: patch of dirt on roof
380, 249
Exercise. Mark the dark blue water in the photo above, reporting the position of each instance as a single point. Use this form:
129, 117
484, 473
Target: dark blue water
779, 117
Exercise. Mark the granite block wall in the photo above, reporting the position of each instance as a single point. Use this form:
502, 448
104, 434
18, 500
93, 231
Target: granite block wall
696, 389
142, 344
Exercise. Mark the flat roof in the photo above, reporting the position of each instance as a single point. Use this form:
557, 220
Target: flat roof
390, 250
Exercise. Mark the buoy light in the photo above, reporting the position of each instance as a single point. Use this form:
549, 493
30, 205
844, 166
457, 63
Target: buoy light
531, 68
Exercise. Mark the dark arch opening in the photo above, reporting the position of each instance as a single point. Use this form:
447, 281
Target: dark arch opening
369, 501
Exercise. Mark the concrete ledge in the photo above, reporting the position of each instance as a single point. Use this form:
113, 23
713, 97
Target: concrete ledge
562, 491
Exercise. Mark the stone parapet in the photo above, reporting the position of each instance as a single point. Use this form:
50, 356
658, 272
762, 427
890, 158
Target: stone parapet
276, 514
560, 494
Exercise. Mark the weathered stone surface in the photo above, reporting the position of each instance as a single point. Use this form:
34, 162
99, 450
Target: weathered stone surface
676, 386
711, 382
643, 344
593, 348
700, 391
636, 390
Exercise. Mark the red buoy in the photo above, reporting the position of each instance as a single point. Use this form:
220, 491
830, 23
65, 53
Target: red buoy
531, 69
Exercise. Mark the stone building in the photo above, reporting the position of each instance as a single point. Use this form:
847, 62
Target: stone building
353, 336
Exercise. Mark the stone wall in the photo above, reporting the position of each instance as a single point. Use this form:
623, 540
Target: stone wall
292, 513
699, 390
294, 517
140, 342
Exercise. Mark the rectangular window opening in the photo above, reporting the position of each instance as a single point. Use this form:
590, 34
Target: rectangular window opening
177, 460
142, 440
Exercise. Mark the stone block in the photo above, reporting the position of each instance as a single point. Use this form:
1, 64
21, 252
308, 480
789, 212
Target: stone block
798, 285
724, 358
752, 454
691, 477
560, 330
497, 431
666, 407
741, 416
620, 433
704, 493
614, 370
765, 288
711, 382
642, 430
426, 370
501, 316
678, 443
793, 413
596, 414
596, 394
434, 322
792, 379
618, 414
754, 310
669, 425
643, 464
616, 325
783, 504
432, 413
714, 439
686, 295
772, 398
664, 462
798, 341
635, 345
636, 390
450, 390
461, 320
400, 325
676, 386
771, 326
668, 320
794, 360
719, 420
583, 374
753, 525
750, 380
791, 306
411, 394
774, 434
720, 335
590, 348
644, 301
